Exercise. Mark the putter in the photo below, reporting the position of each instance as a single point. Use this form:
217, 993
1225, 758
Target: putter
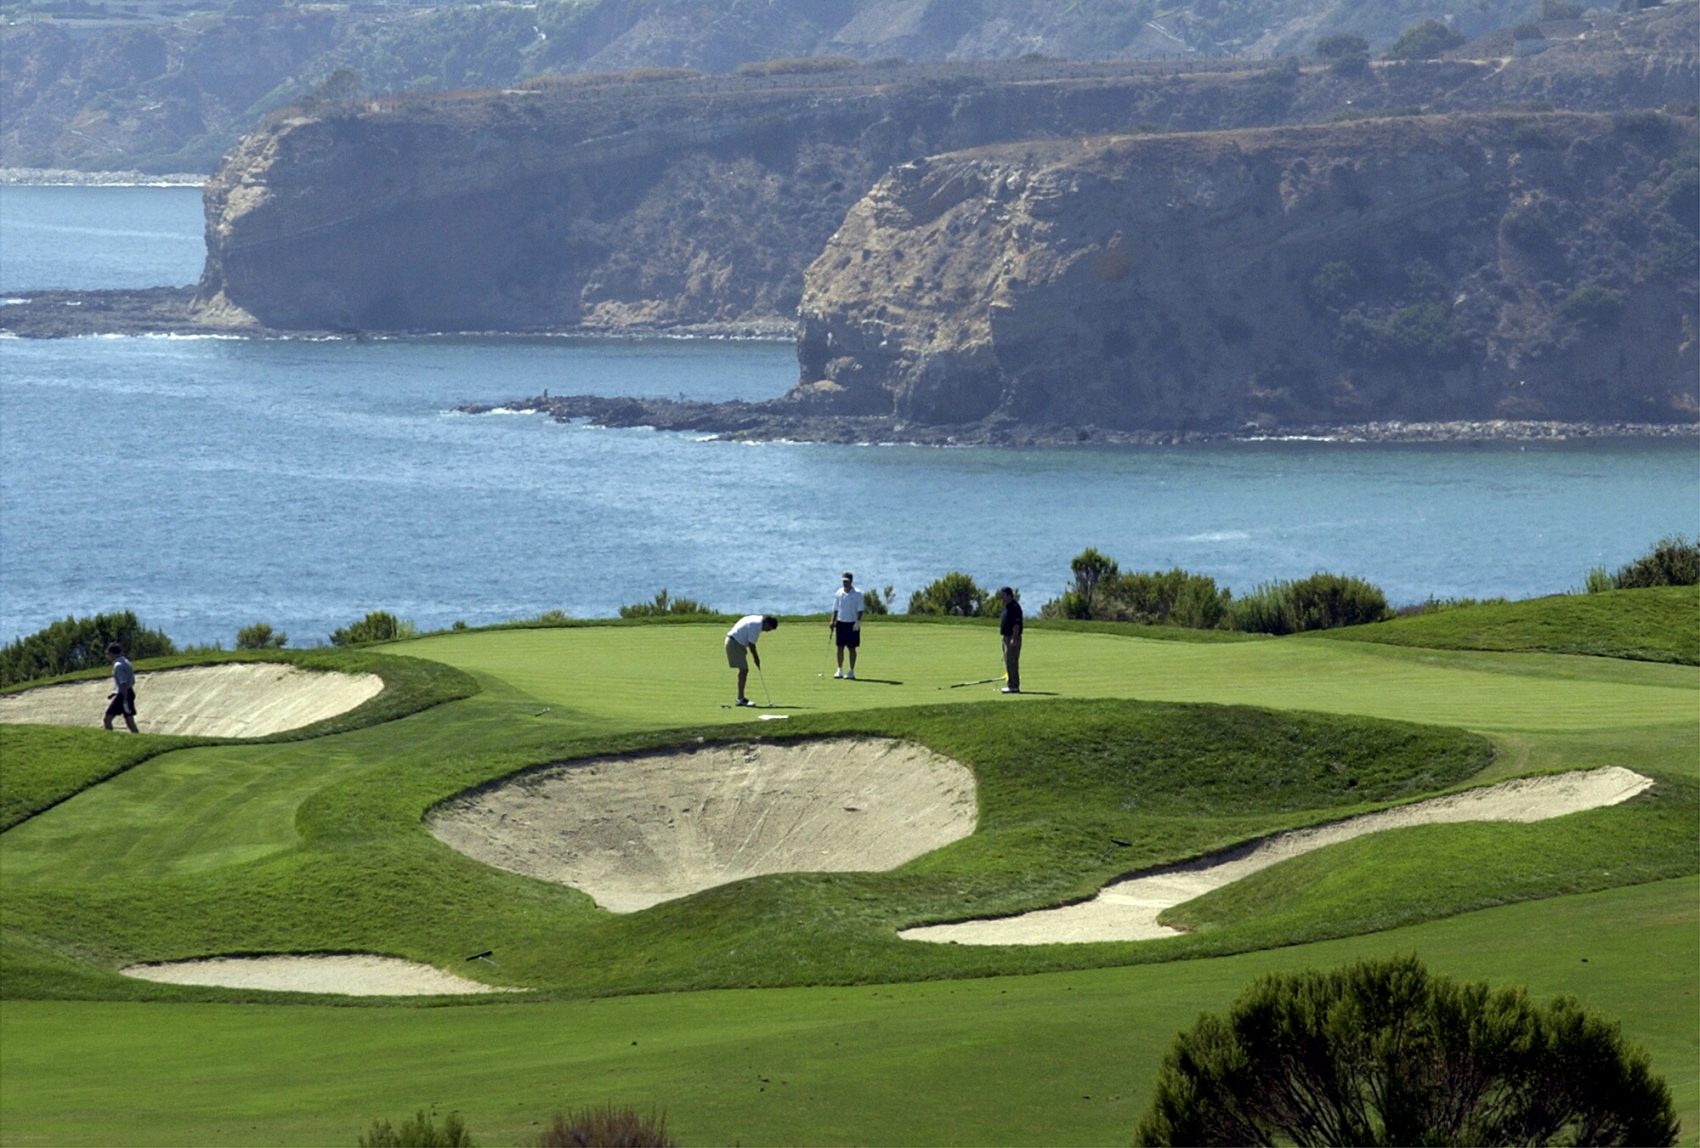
764, 688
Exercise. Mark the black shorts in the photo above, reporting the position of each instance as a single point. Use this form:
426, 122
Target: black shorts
123, 704
848, 636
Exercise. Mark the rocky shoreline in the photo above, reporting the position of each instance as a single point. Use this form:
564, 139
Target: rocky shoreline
169, 311
780, 420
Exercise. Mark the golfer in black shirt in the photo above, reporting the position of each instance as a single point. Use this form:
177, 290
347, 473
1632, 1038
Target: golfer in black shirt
1010, 628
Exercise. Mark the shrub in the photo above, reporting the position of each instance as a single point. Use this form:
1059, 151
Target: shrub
378, 626
1343, 44
878, 602
608, 1126
1424, 41
1383, 1052
1320, 602
420, 1132
260, 636
954, 594
1673, 561
662, 605
79, 644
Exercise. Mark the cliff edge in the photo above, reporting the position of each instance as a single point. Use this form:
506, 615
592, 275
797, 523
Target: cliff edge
1413, 268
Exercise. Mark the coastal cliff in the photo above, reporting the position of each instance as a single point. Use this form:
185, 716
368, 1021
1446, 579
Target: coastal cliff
667, 199
1413, 268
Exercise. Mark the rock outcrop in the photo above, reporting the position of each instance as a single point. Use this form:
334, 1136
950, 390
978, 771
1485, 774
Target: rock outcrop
1442, 267
677, 200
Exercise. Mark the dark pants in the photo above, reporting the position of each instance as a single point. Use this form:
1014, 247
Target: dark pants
1012, 662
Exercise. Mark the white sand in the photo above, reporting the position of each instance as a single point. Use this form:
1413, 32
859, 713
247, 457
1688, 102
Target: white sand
356, 975
635, 831
1127, 910
235, 699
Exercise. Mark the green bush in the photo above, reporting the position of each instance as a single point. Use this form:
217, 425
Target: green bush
420, 1132
378, 626
260, 636
1320, 602
79, 644
662, 605
955, 594
878, 602
1172, 598
607, 1126
1424, 41
1383, 1052
1673, 561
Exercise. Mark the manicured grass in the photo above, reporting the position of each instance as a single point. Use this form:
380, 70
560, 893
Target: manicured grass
41, 766
1660, 624
1062, 1058
1174, 747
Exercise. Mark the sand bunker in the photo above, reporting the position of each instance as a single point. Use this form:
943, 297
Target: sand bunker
236, 699
635, 831
1127, 910
355, 975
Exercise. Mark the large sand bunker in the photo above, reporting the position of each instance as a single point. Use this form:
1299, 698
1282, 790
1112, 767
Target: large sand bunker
354, 974
635, 831
236, 699
1127, 910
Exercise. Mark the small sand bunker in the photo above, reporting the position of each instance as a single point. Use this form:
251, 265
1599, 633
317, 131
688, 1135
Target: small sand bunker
236, 699
635, 831
355, 975
1127, 910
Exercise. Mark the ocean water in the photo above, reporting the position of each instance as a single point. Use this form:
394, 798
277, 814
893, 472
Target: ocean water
209, 483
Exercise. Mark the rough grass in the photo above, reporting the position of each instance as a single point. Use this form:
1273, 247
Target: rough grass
41, 766
1658, 624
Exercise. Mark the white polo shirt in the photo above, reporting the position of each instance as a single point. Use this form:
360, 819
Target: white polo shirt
747, 631
847, 604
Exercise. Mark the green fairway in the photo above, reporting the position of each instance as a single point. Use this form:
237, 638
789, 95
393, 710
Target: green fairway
1065, 1058
675, 675
1129, 749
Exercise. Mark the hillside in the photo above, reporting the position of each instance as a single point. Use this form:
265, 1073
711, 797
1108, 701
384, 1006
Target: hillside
1413, 268
171, 86
677, 200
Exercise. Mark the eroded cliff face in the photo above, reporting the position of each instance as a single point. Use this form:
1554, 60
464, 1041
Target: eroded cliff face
670, 200
1415, 268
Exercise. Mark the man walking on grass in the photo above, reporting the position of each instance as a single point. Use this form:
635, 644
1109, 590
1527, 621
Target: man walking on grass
846, 624
1010, 629
741, 642
121, 702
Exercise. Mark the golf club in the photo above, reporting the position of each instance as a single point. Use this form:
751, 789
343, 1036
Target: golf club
975, 682
764, 688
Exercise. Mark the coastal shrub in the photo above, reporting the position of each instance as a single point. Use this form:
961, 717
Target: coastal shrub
878, 601
1673, 561
1320, 602
1161, 598
955, 594
419, 1132
79, 644
1424, 41
378, 626
1384, 1052
260, 636
607, 1125
662, 604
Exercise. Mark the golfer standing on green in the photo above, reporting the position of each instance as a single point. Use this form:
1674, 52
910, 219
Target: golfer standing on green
846, 624
1010, 628
741, 640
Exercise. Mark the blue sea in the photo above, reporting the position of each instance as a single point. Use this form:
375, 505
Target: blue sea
210, 483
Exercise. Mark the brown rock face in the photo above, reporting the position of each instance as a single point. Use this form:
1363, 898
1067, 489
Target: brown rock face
1511, 266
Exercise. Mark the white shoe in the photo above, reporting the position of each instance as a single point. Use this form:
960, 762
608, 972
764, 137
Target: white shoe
851, 675
838, 673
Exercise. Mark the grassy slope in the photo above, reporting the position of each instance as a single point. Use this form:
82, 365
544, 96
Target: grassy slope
1061, 1058
316, 844
1661, 624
